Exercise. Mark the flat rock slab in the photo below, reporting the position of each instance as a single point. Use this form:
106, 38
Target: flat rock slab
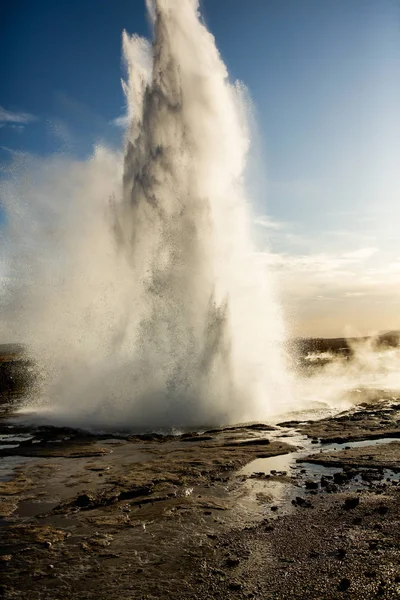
383, 456
372, 422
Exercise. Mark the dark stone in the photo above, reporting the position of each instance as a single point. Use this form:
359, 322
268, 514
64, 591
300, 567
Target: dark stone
256, 442
197, 438
351, 503
344, 584
311, 485
381, 589
299, 501
340, 478
84, 500
232, 562
382, 509
235, 586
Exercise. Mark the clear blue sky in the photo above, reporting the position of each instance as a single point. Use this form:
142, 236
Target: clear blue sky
324, 76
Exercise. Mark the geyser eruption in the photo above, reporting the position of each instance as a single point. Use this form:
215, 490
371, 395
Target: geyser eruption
133, 279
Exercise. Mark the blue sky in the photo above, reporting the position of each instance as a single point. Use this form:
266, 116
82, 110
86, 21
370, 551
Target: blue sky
324, 78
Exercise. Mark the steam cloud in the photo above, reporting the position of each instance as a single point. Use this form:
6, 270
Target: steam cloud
132, 277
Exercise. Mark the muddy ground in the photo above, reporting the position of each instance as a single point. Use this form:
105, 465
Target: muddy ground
204, 516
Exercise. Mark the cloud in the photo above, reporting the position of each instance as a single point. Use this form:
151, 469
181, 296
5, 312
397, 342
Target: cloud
326, 292
320, 262
121, 121
268, 223
11, 118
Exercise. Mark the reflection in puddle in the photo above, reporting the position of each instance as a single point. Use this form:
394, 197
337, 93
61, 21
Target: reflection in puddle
284, 462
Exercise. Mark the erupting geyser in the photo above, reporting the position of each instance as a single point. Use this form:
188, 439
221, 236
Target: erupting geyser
133, 279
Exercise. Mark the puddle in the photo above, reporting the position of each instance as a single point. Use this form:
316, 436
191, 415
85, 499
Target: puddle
362, 444
272, 483
20, 437
30, 508
8, 464
284, 462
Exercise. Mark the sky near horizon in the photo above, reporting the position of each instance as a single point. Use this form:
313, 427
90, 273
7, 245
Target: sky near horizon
324, 79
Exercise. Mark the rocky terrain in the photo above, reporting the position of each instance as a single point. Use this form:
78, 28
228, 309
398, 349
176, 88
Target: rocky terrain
297, 511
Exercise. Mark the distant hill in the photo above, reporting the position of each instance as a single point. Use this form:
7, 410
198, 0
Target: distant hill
343, 345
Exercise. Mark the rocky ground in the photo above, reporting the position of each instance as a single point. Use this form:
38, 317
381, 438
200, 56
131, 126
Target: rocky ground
192, 516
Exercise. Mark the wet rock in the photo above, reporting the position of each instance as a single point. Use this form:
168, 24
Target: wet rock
84, 500
256, 442
351, 503
340, 478
370, 476
311, 485
332, 488
198, 438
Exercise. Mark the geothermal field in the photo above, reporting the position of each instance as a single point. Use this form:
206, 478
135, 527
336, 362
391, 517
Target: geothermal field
163, 433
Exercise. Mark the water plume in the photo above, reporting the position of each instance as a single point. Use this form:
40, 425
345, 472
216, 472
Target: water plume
132, 276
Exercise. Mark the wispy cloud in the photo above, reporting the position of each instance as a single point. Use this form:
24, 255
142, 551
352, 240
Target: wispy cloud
268, 223
8, 117
121, 121
328, 291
